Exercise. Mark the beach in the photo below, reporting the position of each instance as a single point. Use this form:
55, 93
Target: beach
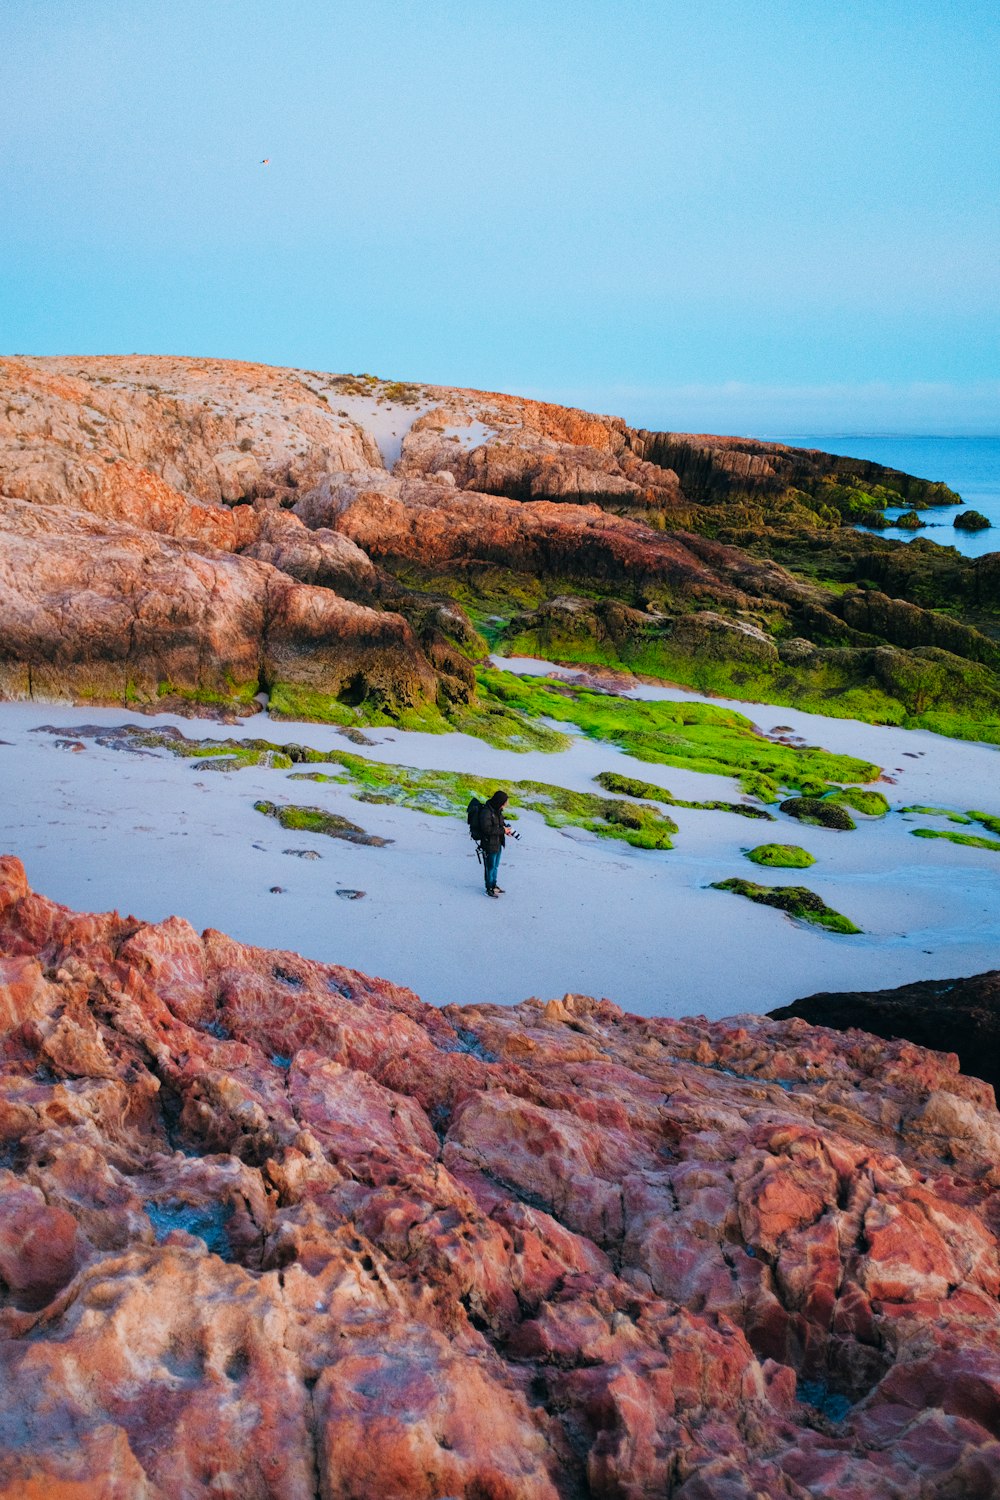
148, 833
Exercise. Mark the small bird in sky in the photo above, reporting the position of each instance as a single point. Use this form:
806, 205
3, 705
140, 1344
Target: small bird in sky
266, 161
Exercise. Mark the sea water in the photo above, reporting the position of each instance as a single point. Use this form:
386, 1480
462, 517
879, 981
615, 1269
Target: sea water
968, 465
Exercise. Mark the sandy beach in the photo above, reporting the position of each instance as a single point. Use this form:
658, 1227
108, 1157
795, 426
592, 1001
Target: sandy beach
152, 834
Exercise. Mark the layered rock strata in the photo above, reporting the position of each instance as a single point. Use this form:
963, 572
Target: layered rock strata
272, 1228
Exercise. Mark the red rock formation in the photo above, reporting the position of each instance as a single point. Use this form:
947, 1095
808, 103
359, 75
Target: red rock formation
107, 458
105, 611
271, 1228
438, 526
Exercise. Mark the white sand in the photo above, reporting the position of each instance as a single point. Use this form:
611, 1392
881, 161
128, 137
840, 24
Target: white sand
153, 835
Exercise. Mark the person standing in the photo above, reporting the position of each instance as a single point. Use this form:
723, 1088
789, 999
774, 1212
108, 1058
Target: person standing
492, 831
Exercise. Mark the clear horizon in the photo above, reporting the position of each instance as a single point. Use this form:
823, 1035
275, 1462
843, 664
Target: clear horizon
707, 221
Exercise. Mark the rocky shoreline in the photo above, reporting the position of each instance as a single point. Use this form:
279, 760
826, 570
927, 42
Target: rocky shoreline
308, 1236
200, 533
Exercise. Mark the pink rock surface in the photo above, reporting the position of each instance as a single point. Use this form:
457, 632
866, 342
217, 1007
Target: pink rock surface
273, 1228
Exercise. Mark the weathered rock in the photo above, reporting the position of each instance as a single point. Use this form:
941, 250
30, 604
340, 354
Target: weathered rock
971, 520
700, 559
270, 1227
823, 813
107, 611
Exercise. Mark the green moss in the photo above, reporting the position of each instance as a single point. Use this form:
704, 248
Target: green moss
696, 736
921, 688
505, 727
821, 813
274, 760
872, 804
290, 700
796, 900
487, 719
780, 856
316, 820
937, 812
987, 820
628, 786
232, 695
972, 840
447, 793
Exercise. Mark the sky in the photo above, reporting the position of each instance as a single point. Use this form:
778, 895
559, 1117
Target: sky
699, 214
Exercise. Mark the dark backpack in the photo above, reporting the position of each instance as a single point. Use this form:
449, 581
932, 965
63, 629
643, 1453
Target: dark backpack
473, 814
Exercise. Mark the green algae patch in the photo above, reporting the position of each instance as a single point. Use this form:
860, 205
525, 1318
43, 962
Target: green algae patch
629, 786
230, 695
869, 803
780, 856
272, 760
971, 840
796, 900
937, 812
822, 813
505, 728
447, 793
924, 687
317, 820
497, 723
695, 736
987, 820
290, 700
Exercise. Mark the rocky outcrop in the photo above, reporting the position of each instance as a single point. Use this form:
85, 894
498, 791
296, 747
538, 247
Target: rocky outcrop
707, 561
711, 467
103, 611
270, 1227
582, 458
438, 527
962, 1015
971, 520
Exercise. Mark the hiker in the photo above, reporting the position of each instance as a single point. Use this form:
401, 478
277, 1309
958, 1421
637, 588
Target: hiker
492, 831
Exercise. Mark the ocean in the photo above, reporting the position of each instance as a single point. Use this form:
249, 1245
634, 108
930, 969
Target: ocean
968, 465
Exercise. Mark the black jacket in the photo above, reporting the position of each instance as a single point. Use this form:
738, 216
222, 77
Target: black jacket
491, 834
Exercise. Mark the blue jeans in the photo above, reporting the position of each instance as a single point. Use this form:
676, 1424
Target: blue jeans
491, 868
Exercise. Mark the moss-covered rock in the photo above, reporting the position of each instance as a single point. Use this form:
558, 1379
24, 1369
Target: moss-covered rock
317, 820
870, 803
971, 840
937, 812
971, 520
447, 794
825, 814
780, 856
796, 900
697, 736
630, 786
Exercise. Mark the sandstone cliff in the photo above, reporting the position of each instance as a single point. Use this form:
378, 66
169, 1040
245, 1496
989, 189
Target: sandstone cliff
270, 1228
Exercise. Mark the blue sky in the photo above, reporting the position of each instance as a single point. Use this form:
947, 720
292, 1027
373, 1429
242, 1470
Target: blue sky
710, 214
